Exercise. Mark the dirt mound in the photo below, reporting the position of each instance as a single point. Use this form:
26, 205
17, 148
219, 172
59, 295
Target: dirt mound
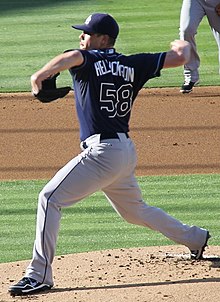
151, 274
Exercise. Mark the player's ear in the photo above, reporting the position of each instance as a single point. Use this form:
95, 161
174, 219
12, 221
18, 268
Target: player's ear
105, 41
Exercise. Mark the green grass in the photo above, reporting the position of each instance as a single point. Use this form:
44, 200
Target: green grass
32, 32
94, 225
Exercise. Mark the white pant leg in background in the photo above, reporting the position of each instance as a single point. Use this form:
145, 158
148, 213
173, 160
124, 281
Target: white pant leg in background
217, 38
191, 15
214, 22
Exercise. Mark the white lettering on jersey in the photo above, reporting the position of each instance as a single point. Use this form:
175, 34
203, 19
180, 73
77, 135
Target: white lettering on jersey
103, 67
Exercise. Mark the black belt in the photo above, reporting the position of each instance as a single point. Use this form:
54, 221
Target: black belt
111, 135
103, 136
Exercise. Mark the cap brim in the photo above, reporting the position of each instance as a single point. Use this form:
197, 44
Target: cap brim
83, 27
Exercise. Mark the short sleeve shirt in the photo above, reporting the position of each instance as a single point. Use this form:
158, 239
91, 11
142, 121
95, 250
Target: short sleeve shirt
106, 85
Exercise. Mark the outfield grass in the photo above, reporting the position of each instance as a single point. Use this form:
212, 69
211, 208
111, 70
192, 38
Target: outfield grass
32, 32
94, 225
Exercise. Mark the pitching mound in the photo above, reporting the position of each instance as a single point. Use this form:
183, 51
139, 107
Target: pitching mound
151, 274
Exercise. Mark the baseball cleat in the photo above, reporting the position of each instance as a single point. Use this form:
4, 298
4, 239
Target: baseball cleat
198, 254
187, 86
27, 286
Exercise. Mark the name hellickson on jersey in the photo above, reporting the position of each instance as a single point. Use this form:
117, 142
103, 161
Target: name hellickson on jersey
103, 67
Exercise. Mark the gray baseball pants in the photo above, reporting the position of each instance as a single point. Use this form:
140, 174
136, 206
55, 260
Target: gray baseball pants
108, 166
192, 13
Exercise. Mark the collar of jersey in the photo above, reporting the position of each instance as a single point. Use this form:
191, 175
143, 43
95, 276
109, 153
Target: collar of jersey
108, 51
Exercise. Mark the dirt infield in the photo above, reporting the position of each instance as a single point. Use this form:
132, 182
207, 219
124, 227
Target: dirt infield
174, 134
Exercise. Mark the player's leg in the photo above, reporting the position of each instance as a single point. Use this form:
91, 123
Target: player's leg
93, 169
125, 196
214, 22
72, 183
63, 190
191, 15
217, 38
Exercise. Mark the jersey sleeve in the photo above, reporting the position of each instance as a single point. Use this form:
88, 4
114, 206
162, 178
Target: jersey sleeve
148, 66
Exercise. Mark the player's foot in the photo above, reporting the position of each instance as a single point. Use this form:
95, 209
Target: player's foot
198, 254
27, 286
188, 85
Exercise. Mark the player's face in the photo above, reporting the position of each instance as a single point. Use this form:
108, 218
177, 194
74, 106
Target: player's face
91, 41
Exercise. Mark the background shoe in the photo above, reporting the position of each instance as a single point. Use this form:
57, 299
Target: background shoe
187, 87
27, 286
198, 254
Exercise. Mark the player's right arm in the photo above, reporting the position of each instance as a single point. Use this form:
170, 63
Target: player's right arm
61, 62
178, 55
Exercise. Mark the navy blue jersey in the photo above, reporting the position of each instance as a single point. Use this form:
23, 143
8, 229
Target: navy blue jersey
106, 85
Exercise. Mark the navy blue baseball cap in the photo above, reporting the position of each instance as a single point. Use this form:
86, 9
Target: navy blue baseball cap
100, 24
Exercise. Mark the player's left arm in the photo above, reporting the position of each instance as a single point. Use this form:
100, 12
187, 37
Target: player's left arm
178, 55
61, 62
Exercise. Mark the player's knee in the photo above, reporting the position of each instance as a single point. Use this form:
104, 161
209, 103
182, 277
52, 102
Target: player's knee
45, 194
134, 218
42, 196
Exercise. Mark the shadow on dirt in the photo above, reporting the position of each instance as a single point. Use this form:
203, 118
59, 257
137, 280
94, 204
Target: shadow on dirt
104, 287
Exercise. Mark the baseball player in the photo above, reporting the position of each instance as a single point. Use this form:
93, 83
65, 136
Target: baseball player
106, 84
192, 13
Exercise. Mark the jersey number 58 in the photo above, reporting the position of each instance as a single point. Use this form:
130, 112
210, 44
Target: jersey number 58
116, 102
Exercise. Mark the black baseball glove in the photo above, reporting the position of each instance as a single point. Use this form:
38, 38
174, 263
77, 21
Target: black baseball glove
50, 92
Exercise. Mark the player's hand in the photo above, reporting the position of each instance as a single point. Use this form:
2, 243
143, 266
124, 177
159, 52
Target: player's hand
46, 90
179, 45
182, 49
178, 55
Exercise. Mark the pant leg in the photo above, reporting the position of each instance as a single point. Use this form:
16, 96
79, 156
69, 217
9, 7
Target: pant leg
63, 190
125, 196
191, 15
93, 169
214, 22
216, 35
